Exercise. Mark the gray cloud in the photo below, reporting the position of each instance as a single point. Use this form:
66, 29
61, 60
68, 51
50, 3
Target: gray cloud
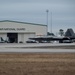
63, 13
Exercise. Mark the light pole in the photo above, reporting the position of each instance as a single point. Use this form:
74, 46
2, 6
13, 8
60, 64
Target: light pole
51, 22
47, 17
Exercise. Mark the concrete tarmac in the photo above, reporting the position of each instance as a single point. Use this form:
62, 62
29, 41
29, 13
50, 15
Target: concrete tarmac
24, 48
19, 45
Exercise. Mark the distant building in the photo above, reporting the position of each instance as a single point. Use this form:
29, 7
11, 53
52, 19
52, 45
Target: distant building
70, 33
20, 31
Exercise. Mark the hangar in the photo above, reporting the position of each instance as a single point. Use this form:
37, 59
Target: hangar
16, 31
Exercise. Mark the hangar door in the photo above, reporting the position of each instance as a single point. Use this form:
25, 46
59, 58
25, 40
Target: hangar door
13, 37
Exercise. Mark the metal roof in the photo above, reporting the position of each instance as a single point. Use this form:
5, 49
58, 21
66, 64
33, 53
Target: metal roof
23, 22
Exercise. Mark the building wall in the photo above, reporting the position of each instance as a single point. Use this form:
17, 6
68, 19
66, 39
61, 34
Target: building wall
3, 35
24, 30
23, 37
22, 27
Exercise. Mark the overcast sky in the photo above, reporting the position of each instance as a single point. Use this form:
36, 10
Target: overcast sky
34, 11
